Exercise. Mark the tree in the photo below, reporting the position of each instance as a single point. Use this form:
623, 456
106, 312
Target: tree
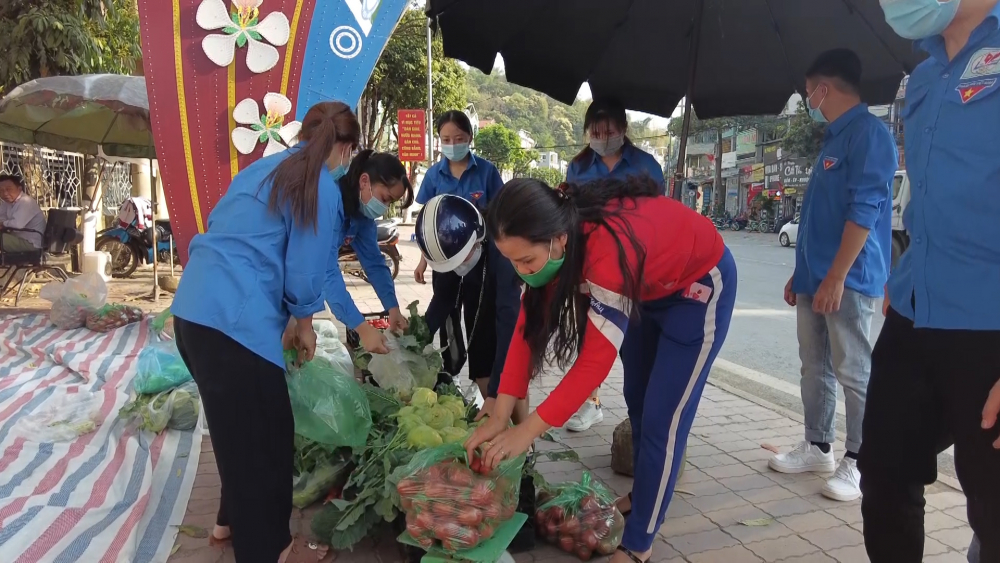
399, 81
803, 136
550, 176
502, 147
66, 37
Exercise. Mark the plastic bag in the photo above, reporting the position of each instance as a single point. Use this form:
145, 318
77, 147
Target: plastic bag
330, 407
74, 299
581, 518
163, 324
160, 368
448, 503
61, 419
317, 471
330, 348
114, 316
401, 369
177, 408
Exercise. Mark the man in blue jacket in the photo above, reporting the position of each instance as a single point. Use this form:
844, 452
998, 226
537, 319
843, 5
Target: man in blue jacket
841, 263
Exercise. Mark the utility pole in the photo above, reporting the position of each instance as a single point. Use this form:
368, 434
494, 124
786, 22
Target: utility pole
430, 98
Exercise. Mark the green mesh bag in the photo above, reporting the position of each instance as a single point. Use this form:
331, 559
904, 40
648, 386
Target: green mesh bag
580, 517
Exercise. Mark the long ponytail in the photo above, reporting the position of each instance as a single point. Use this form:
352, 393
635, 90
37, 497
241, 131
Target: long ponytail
295, 180
530, 209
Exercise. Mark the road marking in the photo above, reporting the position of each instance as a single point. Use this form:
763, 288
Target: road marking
767, 380
751, 312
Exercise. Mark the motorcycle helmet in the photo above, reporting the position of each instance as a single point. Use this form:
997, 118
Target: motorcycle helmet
448, 230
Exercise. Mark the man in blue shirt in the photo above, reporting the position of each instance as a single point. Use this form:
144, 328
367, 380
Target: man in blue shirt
841, 263
936, 365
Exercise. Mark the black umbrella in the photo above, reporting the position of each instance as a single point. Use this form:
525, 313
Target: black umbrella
728, 57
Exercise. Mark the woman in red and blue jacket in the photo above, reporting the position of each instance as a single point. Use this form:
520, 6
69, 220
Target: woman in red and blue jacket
612, 266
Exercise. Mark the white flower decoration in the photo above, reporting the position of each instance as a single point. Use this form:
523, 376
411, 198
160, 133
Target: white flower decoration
269, 127
241, 27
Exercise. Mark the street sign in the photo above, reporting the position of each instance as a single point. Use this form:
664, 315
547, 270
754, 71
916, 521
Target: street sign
412, 135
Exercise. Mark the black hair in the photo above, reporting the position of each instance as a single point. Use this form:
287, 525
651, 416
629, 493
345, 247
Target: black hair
16, 178
530, 209
458, 118
839, 64
600, 110
382, 168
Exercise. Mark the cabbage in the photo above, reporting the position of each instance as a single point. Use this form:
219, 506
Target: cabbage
423, 397
450, 435
423, 437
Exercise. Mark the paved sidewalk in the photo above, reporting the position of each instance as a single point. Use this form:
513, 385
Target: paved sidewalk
725, 483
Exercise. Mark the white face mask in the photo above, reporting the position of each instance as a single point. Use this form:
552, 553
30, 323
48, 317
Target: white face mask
608, 146
464, 268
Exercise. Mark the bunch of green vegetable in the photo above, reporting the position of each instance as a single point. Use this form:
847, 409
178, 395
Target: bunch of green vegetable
318, 468
367, 498
177, 408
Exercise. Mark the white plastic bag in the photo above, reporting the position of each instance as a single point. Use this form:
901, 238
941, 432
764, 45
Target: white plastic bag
330, 348
61, 419
74, 299
401, 369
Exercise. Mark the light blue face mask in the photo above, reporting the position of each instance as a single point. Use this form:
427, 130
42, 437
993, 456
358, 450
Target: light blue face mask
374, 208
814, 112
919, 19
458, 151
341, 171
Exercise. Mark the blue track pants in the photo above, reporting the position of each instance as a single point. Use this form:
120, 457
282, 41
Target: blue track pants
667, 354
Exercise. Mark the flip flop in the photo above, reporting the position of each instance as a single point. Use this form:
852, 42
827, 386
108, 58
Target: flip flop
630, 554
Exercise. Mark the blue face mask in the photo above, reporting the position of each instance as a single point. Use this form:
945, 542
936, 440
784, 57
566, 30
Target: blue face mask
341, 171
918, 19
374, 208
458, 151
814, 112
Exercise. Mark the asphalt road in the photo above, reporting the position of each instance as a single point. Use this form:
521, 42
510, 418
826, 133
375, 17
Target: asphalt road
762, 336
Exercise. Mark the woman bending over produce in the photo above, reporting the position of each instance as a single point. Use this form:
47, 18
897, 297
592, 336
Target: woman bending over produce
262, 261
611, 266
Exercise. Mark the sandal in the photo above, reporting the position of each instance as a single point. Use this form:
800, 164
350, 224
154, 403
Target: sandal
629, 511
631, 555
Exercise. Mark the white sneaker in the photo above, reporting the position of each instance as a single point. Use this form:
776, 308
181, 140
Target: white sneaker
806, 457
588, 415
845, 485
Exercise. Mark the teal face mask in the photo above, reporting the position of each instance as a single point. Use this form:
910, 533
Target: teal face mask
918, 19
373, 208
546, 274
341, 171
814, 112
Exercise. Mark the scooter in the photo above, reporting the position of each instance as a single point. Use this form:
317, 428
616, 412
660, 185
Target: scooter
129, 247
388, 238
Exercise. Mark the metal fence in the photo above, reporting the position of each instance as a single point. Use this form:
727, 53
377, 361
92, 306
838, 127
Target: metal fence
55, 178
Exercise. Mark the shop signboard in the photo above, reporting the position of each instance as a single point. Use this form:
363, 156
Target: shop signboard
757, 174
771, 154
746, 142
795, 171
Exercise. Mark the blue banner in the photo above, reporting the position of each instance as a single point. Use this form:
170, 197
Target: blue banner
346, 38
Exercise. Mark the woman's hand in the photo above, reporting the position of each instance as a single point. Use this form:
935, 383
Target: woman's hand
288, 340
305, 340
488, 405
420, 270
509, 444
486, 432
372, 340
397, 322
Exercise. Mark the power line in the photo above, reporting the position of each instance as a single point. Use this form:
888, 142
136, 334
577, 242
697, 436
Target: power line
585, 144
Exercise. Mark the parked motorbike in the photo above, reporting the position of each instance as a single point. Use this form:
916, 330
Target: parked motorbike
388, 238
739, 223
129, 247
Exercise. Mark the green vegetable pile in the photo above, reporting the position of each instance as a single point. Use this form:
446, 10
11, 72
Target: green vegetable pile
368, 498
318, 469
416, 340
177, 409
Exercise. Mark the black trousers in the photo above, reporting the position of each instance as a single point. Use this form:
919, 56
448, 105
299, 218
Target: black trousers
250, 419
927, 391
466, 292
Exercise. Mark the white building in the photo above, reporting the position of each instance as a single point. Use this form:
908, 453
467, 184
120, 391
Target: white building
549, 159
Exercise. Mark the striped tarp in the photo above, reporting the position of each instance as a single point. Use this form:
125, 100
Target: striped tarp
112, 495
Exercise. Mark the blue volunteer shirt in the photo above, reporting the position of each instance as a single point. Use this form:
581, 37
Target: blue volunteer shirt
479, 183
634, 162
253, 267
851, 181
362, 234
951, 270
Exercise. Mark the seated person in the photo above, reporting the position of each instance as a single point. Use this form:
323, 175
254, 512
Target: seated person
18, 210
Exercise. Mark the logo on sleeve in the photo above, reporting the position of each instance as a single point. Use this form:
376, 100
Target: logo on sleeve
699, 292
829, 162
984, 62
968, 91
476, 195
